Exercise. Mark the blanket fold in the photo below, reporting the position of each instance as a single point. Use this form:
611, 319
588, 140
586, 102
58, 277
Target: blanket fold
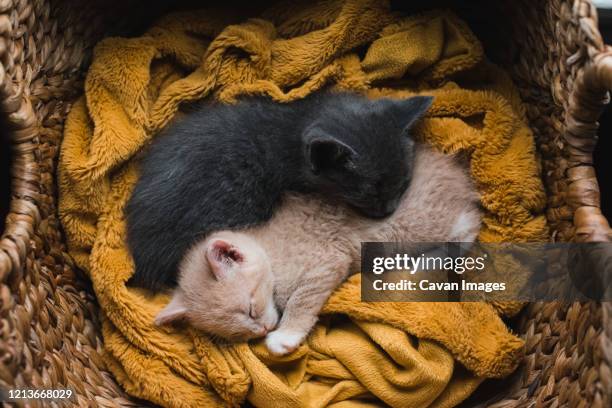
359, 354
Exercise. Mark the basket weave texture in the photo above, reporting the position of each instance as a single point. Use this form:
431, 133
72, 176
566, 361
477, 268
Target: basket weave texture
49, 335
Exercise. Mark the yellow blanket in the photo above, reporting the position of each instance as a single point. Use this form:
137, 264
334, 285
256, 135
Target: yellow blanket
404, 354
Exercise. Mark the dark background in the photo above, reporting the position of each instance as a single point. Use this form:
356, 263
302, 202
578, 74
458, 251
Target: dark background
603, 165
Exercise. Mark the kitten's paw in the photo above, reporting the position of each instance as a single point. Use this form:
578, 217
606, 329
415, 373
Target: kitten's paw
467, 226
281, 342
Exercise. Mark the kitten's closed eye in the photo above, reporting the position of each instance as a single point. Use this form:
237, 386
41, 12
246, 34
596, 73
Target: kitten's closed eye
253, 312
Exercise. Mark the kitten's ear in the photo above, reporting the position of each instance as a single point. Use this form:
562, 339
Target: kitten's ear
222, 256
411, 109
175, 310
326, 152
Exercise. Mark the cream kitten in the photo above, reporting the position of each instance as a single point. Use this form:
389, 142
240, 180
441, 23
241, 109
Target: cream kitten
308, 249
232, 272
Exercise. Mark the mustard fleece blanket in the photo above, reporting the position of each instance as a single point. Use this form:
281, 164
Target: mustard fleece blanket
360, 354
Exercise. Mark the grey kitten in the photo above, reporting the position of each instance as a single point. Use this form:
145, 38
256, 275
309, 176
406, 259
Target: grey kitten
232, 283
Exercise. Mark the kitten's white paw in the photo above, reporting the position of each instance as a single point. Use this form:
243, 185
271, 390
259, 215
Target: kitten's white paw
467, 226
281, 342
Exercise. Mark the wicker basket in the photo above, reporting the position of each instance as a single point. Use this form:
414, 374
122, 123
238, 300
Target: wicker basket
49, 336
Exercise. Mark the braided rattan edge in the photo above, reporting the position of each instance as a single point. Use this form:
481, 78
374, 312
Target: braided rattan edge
49, 334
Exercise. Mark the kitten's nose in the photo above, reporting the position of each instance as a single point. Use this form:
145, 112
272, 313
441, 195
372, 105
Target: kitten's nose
388, 207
